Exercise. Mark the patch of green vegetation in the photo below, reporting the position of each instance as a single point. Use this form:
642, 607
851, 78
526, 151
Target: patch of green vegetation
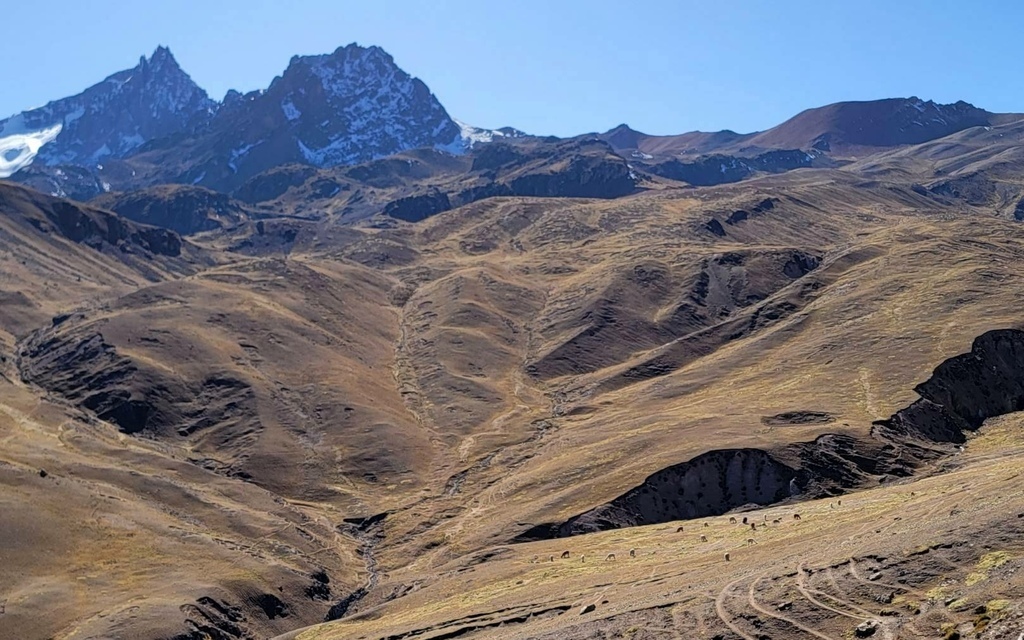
937, 593
975, 577
992, 560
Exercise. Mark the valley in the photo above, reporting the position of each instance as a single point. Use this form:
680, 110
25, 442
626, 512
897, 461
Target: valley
378, 392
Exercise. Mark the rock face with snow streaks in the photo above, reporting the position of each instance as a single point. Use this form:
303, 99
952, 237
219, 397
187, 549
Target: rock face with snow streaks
110, 119
342, 108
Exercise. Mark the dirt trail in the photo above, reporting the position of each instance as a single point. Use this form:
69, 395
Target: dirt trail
752, 599
725, 616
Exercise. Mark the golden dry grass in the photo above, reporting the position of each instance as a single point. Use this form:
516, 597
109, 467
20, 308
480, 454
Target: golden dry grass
395, 370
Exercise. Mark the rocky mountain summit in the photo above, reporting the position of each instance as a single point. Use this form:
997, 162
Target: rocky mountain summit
113, 118
152, 125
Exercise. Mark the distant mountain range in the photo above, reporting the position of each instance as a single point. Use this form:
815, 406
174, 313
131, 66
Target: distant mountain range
844, 129
341, 108
152, 125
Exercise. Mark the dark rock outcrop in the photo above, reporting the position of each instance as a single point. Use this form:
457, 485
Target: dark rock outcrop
79, 365
274, 183
95, 228
960, 395
692, 489
184, 209
965, 390
418, 207
723, 169
741, 215
62, 181
584, 176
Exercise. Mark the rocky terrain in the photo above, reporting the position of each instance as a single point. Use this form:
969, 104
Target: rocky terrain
613, 386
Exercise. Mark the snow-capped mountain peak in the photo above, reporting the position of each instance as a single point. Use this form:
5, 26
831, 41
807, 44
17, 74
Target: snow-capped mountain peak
472, 136
348, 106
111, 118
356, 104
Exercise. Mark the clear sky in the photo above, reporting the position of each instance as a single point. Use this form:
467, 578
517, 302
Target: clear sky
550, 66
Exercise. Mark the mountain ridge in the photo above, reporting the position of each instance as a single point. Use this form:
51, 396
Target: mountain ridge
849, 128
110, 118
356, 104
349, 106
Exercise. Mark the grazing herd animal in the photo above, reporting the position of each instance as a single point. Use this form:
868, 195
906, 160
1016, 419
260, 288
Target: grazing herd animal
703, 538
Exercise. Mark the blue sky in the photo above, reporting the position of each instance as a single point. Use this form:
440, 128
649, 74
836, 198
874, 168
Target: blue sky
551, 67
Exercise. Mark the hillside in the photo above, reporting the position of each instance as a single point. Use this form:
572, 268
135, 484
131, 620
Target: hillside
387, 411
322, 362
842, 130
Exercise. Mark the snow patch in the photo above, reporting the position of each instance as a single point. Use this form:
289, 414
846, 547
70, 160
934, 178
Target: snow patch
101, 153
133, 141
238, 153
18, 148
467, 137
74, 115
474, 135
290, 111
322, 157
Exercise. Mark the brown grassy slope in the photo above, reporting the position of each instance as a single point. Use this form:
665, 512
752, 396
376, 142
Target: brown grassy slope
274, 371
883, 280
922, 558
437, 337
123, 535
57, 254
